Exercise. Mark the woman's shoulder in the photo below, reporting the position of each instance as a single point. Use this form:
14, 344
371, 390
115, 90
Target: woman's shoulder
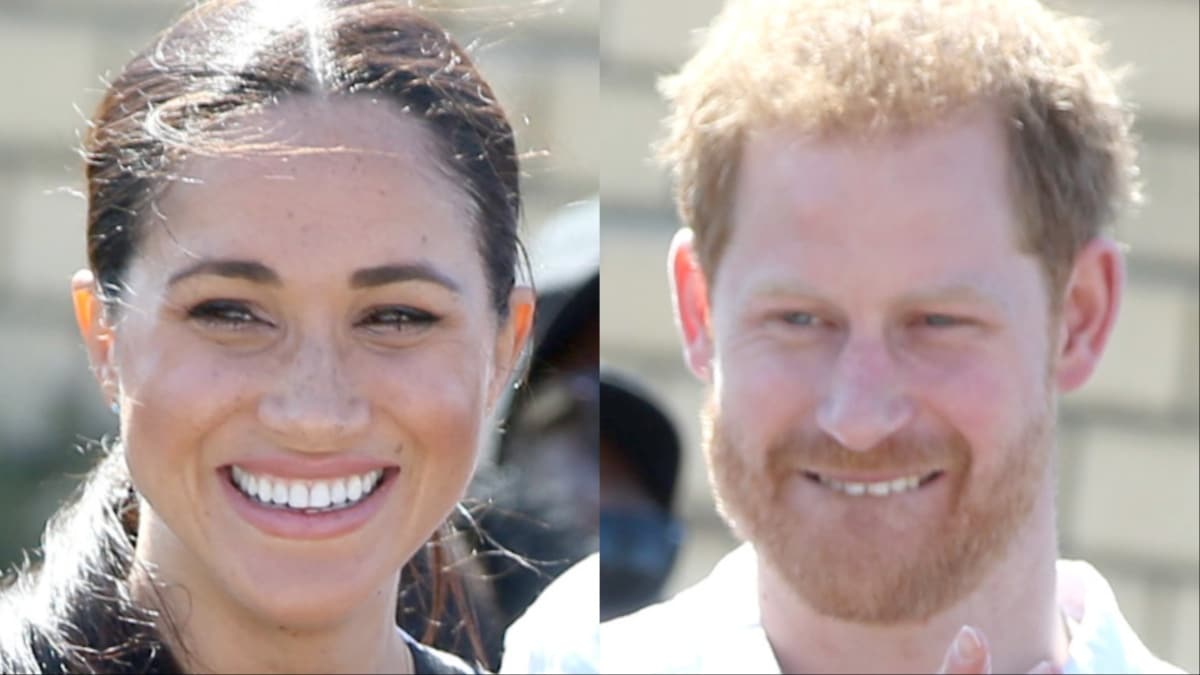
430, 661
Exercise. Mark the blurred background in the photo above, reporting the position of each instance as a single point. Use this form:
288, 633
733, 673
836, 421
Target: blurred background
1129, 440
1130, 459
540, 57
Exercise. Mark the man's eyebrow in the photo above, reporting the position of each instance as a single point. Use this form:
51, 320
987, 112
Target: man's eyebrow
775, 287
394, 273
953, 292
956, 292
249, 270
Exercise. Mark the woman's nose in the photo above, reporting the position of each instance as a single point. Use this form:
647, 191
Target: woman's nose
314, 403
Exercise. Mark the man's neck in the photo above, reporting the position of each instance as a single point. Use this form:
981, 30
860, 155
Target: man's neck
1015, 607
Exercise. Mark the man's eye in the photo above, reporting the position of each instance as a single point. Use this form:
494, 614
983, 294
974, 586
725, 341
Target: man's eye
940, 320
398, 318
225, 314
801, 319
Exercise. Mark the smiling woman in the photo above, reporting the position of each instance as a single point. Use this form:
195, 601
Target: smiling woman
302, 300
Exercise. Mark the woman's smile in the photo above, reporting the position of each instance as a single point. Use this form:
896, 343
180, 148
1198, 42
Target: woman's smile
306, 508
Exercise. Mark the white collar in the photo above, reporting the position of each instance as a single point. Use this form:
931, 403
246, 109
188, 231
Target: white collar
721, 620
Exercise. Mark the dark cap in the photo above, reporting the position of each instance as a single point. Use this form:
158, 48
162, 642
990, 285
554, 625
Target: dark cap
565, 256
635, 425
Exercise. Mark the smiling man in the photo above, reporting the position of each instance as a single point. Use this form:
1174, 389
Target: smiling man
894, 260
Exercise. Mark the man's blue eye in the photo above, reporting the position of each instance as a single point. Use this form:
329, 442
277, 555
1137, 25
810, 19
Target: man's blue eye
939, 320
800, 319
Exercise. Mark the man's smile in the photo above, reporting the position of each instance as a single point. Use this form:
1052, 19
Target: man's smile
858, 486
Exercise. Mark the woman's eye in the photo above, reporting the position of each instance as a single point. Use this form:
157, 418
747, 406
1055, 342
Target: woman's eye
226, 314
398, 318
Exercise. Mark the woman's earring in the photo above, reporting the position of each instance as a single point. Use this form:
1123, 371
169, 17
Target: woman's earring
115, 408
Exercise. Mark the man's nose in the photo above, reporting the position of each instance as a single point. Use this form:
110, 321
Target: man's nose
314, 403
867, 400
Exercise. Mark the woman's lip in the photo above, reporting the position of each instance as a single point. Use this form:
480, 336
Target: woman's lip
317, 468
292, 524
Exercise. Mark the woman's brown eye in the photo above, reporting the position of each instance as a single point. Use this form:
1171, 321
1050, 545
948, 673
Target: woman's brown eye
226, 314
400, 318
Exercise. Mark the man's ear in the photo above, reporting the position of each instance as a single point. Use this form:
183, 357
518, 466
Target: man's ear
689, 293
1090, 303
511, 341
97, 334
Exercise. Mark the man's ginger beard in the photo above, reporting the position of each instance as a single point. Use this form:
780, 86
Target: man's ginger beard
883, 581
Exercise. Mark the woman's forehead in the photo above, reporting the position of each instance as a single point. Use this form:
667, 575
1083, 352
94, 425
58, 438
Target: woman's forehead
325, 198
302, 126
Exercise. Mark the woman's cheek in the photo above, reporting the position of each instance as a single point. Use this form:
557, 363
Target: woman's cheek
174, 412
193, 392
436, 399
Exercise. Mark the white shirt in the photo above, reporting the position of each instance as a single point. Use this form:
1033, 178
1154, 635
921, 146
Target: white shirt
714, 627
558, 633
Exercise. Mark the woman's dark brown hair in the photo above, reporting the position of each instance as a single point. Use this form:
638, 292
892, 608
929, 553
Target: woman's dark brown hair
175, 99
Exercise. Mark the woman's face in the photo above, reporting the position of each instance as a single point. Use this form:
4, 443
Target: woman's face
318, 328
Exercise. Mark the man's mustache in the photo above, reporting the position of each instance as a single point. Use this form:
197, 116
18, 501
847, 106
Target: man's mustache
902, 453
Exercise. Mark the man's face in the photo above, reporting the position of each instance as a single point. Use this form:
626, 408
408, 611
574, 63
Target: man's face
881, 408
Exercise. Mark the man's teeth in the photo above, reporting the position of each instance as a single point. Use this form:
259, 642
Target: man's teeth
337, 493
880, 489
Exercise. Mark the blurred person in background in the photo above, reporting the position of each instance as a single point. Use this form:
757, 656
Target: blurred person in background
639, 538
894, 260
537, 496
639, 469
302, 303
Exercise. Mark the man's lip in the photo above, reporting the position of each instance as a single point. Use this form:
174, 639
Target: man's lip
873, 477
314, 468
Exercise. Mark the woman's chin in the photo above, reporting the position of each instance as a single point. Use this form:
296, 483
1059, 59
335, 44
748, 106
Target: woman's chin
298, 599
298, 611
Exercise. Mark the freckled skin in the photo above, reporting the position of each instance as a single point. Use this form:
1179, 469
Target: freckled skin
315, 373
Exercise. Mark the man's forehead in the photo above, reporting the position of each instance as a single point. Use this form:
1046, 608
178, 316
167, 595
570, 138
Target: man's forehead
973, 140
947, 187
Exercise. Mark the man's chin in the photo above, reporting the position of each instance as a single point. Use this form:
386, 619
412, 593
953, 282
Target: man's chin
860, 581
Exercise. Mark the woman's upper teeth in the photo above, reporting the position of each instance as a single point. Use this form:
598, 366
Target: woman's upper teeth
306, 494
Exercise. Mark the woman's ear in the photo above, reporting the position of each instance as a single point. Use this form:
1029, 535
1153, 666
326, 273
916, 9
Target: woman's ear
511, 341
689, 293
97, 334
1089, 311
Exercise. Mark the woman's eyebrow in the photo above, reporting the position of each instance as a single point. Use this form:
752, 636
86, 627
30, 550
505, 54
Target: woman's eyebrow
249, 270
367, 277
394, 273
